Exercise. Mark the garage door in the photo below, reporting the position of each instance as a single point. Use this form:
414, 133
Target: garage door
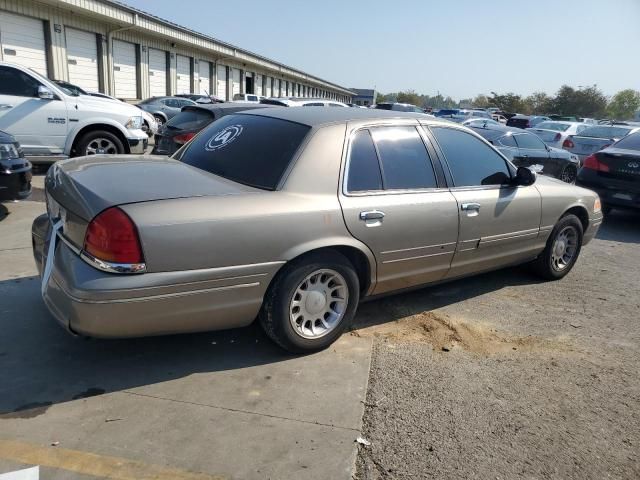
236, 81
276, 88
257, 86
157, 72
124, 69
183, 71
221, 87
82, 58
204, 77
22, 41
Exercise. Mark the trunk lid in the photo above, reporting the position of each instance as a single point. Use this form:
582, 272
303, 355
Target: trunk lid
589, 145
87, 186
623, 164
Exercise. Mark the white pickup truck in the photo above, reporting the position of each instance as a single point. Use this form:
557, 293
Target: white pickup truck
52, 123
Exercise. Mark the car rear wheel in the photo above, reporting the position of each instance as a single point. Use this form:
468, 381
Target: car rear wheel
569, 174
99, 142
562, 249
311, 302
159, 120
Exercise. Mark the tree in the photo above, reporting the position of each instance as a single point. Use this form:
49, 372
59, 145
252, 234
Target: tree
624, 104
410, 96
509, 102
481, 101
584, 102
539, 103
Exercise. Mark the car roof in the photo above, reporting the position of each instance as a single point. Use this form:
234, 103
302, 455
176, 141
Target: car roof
226, 107
326, 115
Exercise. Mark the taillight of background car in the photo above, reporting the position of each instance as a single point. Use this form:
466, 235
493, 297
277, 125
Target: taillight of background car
557, 137
183, 138
568, 143
592, 163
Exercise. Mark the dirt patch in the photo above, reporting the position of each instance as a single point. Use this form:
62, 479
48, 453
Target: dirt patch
444, 333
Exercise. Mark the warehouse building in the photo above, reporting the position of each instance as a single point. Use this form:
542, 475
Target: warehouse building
106, 46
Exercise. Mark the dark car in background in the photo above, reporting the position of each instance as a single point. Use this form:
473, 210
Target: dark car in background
399, 107
15, 170
525, 121
595, 138
200, 98
164, 108
614, 174
525, 149
193, 118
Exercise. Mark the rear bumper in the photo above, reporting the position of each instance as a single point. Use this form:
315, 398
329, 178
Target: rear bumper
90, 302
612, 193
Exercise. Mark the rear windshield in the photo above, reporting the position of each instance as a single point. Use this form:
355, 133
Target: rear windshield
247, 149
558, 127
190, 120
630, 142
604, 132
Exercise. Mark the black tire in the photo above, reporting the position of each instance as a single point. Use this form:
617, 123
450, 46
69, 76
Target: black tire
569, 174
115, 145
274, 315
544, 265
160, 120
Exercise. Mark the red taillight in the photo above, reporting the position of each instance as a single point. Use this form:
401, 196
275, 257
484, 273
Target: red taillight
528, 124
592, 163
112, 237
568, 143
557, 137
184, 138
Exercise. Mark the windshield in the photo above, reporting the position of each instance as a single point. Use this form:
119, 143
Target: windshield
556, 127
190, 120
247, 149
69, 88
604, 132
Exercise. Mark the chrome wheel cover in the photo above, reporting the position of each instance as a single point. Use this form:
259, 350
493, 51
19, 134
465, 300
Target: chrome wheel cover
101, 146
319, 303
564, 248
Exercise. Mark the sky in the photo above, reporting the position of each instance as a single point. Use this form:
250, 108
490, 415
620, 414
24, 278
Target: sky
459, 48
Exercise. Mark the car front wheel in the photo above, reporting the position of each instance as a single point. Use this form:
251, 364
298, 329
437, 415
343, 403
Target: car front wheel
569, 174
311, 302
562, 249
100, 142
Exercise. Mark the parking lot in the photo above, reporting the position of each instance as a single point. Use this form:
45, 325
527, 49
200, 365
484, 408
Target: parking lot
495, 376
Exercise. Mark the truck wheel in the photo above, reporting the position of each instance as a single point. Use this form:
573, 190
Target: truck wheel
311, 302
99, 142
562, 250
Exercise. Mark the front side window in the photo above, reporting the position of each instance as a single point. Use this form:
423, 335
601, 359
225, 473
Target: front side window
404, 158
531, 142
248, 149
17, 83
171, 102
471, 161
364, 169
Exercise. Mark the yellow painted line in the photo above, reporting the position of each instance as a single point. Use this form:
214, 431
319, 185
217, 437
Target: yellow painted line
103, 466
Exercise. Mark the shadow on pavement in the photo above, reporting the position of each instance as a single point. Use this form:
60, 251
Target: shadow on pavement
42, 364
621, 226
4, 212
395, 307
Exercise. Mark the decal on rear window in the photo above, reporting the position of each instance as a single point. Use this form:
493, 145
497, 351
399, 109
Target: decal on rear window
223, 138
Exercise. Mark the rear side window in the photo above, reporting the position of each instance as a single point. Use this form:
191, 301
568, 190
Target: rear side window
526, 140
507, 141
247, 149
364, 169
630, 142
190, 120
404, 158
471, 161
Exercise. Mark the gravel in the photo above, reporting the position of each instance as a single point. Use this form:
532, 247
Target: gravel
502, 376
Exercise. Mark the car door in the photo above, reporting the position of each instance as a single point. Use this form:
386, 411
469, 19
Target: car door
533, 154
40, 125
499, 222
395, 203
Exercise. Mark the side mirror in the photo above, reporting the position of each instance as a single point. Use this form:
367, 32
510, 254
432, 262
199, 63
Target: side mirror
45, 93
525, 177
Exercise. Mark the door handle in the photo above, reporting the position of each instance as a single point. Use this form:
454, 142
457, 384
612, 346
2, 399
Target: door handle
5, 106
372, 215
470, 206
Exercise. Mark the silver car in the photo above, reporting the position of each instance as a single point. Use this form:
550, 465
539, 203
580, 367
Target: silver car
595, 138
292, 216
